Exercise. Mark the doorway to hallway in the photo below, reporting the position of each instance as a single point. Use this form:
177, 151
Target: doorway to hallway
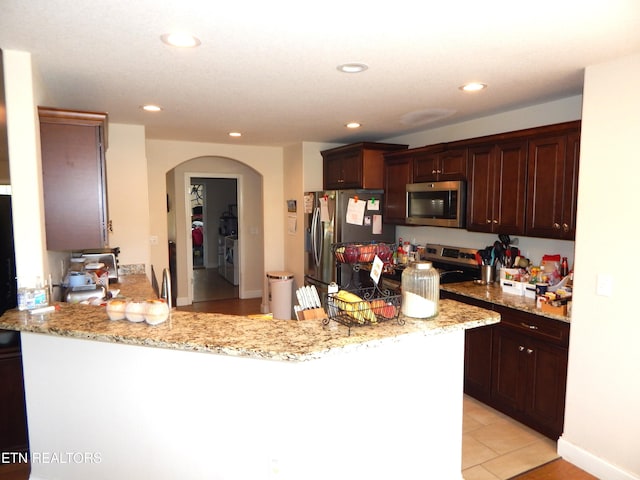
215, 267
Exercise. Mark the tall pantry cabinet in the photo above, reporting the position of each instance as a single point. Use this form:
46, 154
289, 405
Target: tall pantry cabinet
73, 148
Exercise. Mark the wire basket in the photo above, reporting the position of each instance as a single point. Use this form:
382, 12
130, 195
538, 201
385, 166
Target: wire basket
365, 306
352, 253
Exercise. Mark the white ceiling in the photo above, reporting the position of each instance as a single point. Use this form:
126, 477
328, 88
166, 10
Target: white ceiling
268, 68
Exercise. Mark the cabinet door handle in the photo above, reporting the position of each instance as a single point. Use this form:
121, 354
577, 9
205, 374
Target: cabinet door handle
565, 227
530, 327
495, 221
529, 351
434, 171
521, 348
556, 226
488, 220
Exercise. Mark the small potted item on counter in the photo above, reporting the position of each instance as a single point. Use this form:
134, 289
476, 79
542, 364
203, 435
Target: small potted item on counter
135, 311
116, 309
157, 311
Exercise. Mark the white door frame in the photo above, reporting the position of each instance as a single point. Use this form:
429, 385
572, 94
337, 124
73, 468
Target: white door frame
188, 177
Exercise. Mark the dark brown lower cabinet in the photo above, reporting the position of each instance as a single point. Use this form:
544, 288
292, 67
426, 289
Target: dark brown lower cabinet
529, 380
13, 418
518, 366
477, 363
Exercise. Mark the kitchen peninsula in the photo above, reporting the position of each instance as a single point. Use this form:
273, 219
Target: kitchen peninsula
226, 397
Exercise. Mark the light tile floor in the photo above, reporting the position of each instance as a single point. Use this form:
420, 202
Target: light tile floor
496, 447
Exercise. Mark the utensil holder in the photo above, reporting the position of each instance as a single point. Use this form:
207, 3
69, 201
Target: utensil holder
487, 274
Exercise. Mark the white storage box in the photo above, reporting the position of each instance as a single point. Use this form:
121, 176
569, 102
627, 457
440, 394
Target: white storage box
529, 290
512, 287
508, 272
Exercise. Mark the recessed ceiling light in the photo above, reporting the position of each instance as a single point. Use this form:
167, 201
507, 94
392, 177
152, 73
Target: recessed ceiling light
473, 87
353, 125
235, 134
352, 67
151, 108
180, 39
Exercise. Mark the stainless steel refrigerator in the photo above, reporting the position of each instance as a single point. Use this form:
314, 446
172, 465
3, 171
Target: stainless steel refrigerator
326, 228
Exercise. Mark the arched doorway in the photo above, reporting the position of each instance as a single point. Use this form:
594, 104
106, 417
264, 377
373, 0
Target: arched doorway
250, 222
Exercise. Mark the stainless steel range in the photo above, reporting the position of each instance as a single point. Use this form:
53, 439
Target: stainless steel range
456, 264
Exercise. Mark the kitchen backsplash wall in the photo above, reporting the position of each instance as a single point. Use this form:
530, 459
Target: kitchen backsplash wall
532, 248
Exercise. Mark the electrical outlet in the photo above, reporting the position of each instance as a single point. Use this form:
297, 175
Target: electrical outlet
153, 239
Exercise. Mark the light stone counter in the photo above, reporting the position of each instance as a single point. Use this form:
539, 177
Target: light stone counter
235, 335
494, 294
384, 402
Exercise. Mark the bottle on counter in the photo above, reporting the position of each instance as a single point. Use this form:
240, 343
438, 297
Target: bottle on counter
564, 267
420, 290
32, 296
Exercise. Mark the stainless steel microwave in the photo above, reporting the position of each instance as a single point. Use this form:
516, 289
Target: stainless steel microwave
438, 204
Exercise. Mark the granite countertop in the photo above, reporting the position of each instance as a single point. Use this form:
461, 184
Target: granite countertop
290, 340
493, 294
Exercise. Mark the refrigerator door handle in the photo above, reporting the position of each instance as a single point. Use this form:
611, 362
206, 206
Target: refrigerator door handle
316, 237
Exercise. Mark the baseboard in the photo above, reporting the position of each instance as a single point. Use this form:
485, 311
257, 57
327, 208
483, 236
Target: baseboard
588, 462
251, 294
182, 301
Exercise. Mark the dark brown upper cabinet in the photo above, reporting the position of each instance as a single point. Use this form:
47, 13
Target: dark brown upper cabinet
358, 165
552, 185
74, 178
497, 187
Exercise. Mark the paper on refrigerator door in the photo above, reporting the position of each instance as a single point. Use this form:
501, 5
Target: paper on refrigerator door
324, 209
373, 204
376, 225
355, 211
308, 202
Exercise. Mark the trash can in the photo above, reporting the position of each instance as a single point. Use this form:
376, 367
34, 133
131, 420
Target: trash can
280, 290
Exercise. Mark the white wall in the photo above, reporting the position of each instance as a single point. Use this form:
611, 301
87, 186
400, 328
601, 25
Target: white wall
164, 155
24, 91
127, 193
562, 110
602, 426
294, 240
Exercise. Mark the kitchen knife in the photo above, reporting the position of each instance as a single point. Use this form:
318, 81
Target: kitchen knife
312, 300
300, 299
316, 296
307, 298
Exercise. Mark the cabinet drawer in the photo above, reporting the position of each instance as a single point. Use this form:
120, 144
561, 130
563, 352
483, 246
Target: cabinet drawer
542, 328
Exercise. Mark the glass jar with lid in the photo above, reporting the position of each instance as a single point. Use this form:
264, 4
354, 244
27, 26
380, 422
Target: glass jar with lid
420, 290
